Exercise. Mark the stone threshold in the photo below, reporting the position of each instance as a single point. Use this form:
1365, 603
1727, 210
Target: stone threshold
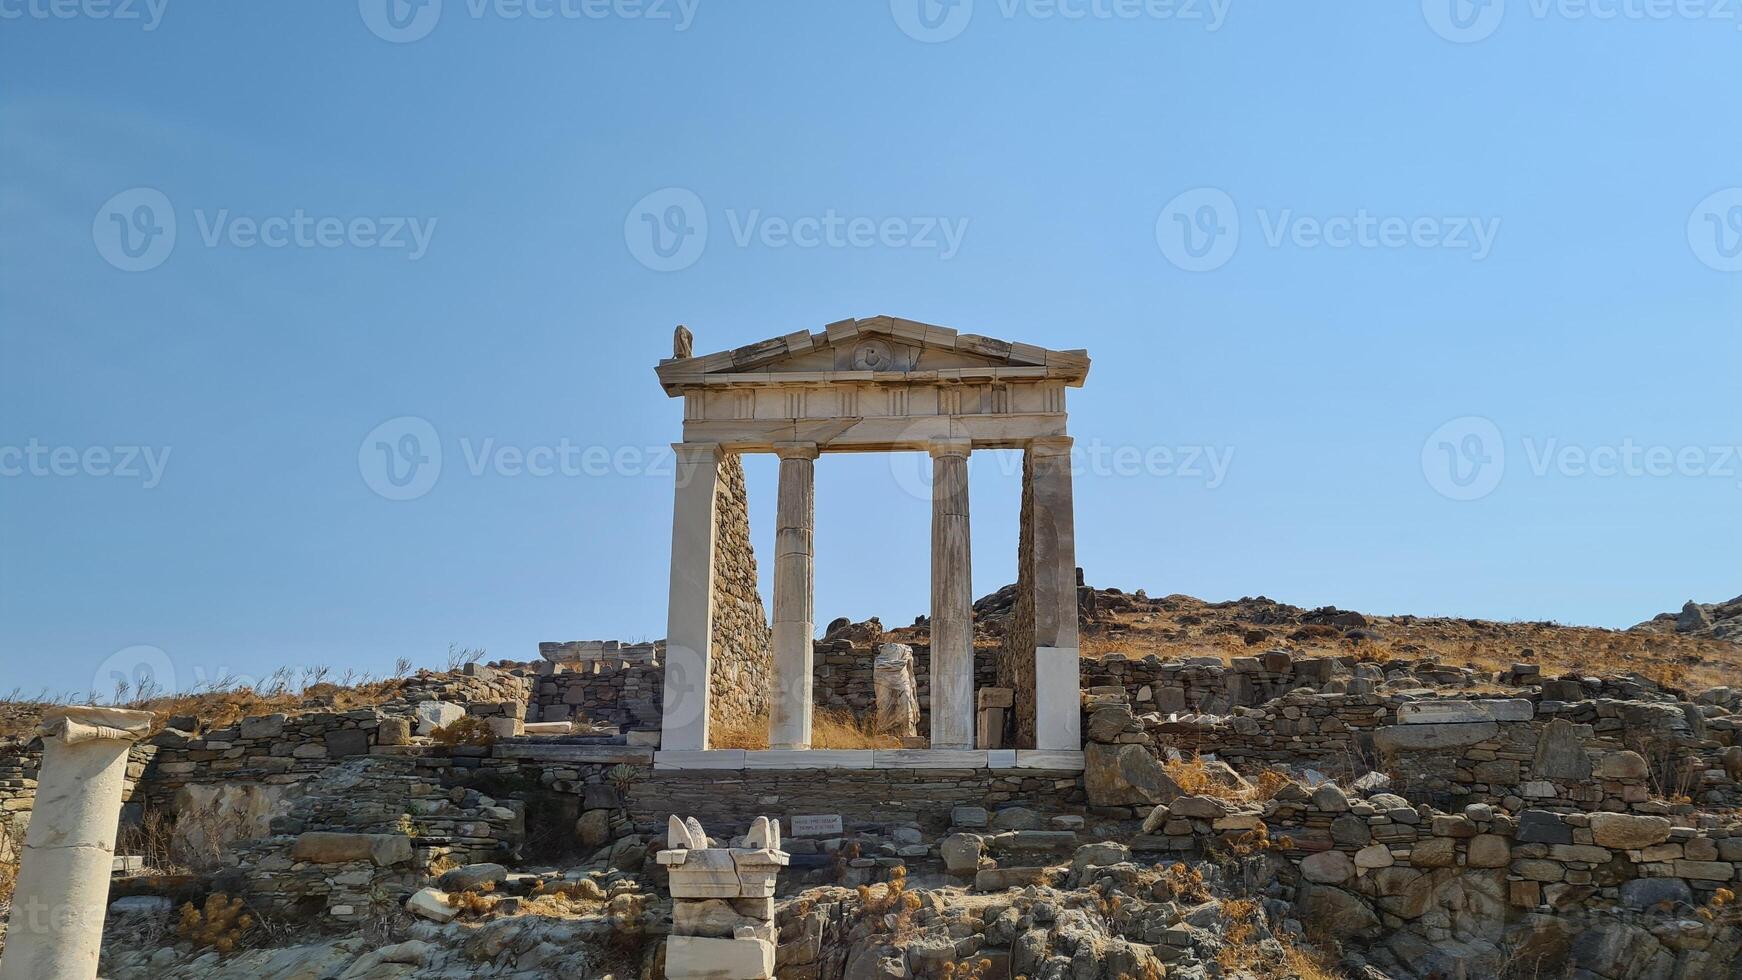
1060, 760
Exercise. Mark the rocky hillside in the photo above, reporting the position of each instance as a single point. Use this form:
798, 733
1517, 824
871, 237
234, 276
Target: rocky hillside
1701, 647
1716, 620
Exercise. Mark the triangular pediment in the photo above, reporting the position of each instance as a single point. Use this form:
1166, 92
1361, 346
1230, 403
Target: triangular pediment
881, 348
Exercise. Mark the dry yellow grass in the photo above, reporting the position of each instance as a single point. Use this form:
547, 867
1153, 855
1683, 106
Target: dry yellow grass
1242, 954
1184, 627
831, 728
215, 708
1195, 778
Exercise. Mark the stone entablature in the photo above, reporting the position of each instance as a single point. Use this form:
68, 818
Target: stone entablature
874, 385
877, 384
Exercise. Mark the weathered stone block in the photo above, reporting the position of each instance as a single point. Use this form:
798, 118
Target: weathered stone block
1628, 831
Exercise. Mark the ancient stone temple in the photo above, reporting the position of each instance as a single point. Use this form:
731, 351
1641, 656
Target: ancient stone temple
881, 384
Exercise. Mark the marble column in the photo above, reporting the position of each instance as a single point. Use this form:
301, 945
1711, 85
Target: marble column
794, 606
56, 928
1057, 673
952, 599
689, 624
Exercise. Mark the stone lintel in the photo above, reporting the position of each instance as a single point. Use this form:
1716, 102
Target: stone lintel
876, 434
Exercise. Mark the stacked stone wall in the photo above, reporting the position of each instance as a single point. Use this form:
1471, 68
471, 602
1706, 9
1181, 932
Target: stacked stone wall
741, 664
861, 797
471, 683
359, 837
1016, 656
621, 693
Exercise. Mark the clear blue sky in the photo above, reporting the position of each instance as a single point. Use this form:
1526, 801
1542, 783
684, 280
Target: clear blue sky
1600, 313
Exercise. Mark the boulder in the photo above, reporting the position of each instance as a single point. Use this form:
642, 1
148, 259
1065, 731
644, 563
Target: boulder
1488, 851
1434, 852
432, 715
382, 850
1017, 818
245, 809
723, 959
472, 876
1327, 868
1560, 753
1100, 855
970, 817
1125, 775
1622, 765
1198, 807
1694, 618
1338, 912
593, 830
431, 904
1628, 831
1648, 893
1105, 724
1543, 827
347, 741
393, 731
1373, 856
262, 727
962, 853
